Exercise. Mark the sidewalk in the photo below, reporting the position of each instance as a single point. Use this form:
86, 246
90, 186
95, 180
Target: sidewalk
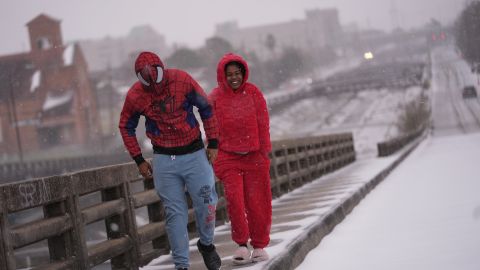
302, 217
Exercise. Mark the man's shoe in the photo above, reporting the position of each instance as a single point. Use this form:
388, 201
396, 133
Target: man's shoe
241, 256
210, 256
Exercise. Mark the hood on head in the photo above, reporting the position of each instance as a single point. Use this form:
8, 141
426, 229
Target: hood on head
149, 69
227, 58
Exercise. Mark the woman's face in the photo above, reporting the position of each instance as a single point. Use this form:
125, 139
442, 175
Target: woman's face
234, 76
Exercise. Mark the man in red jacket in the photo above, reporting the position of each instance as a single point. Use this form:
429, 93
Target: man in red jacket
165, 97
243, 164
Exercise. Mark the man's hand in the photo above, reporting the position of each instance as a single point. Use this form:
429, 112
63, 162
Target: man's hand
145, 170
212, 154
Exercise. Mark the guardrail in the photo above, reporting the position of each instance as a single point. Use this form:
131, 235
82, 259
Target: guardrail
83, 219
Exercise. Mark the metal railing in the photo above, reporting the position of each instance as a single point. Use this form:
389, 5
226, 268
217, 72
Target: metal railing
83, 219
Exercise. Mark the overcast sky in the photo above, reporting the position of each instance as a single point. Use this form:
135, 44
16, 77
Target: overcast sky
191, 21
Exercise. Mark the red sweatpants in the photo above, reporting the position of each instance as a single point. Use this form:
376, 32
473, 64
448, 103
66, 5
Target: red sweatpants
246, 181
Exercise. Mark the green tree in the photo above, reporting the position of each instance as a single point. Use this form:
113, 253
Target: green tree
185, 58
215, 48
290, 63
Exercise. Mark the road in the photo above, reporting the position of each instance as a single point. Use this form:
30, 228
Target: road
452, 114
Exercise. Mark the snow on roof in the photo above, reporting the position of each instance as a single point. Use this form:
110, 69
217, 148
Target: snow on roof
35, 81
68, 55
52, 101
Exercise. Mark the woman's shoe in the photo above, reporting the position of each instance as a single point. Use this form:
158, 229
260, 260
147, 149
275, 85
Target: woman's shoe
259, 254
241, 256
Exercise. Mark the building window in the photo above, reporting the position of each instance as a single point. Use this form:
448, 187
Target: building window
44, 43
49, 137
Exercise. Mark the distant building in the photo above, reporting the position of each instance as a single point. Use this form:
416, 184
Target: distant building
107, 53
320, 28
45, 95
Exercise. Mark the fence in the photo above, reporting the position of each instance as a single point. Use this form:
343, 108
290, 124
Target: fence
81, 220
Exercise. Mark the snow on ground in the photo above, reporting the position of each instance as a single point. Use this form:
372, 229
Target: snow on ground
371, 115
425, 215
301, 83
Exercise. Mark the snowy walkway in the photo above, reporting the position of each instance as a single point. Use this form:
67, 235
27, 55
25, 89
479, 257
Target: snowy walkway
425, 215
302, 217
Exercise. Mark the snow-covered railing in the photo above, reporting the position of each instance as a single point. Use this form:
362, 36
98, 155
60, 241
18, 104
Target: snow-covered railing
15, 171
83, 219
295, 162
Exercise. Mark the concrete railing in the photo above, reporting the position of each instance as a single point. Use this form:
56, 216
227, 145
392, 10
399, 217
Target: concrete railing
84, 219
391, 146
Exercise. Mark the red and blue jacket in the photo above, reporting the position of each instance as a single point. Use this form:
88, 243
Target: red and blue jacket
169, 119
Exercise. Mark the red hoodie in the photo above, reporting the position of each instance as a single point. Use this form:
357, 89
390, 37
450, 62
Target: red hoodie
168, 110
242, 114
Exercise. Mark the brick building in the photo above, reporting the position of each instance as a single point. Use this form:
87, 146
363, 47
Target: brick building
46, 99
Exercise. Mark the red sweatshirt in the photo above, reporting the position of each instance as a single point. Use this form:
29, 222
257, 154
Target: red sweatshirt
242, 114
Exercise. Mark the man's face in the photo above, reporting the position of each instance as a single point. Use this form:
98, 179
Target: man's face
150, 75
149, 69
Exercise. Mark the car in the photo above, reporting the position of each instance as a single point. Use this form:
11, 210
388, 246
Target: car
469, 91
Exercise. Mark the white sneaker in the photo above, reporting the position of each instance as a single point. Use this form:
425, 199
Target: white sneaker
241, 256
259, 254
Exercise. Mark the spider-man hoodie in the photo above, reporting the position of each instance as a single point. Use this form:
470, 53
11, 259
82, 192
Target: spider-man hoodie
242, 114
165, 97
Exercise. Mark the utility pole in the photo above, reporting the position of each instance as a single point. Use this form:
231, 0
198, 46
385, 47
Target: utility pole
15, 119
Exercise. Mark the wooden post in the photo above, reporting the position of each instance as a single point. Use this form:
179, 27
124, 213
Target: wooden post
60, 247
118, 226
79, 246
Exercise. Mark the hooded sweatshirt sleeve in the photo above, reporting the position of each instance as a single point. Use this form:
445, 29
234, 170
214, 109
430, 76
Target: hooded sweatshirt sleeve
200, 100
262, 121
128, 123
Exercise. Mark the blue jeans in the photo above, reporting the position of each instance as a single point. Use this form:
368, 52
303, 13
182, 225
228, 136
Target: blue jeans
173, 177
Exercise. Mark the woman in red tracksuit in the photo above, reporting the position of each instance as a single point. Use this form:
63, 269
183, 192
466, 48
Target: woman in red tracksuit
242, 164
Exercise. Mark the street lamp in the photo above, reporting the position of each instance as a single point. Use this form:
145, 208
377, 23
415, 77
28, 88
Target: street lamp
368, 55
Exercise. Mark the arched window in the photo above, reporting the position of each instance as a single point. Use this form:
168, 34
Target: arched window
44, 43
